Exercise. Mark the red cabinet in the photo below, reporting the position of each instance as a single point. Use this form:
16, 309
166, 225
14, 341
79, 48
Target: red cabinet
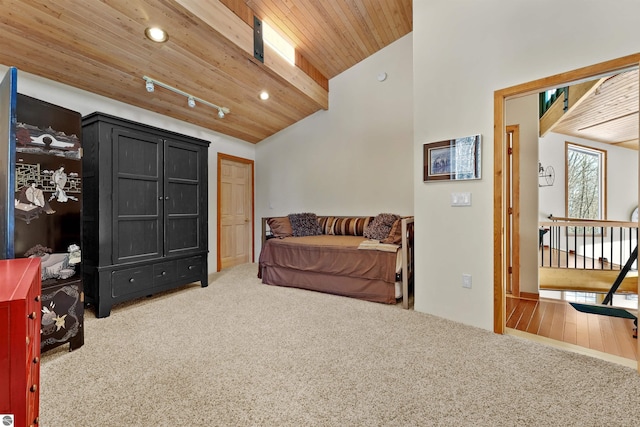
20, 316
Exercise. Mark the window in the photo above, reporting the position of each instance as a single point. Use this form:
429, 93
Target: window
585, 182
278, 43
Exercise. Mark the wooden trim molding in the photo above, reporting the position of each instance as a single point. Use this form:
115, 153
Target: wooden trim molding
529, 295
499, 208
500, 267
513, 253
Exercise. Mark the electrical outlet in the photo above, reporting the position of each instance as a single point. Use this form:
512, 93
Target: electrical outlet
466, 281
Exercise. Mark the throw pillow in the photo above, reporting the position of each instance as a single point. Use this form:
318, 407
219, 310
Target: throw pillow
395, 235
326, 224
379, 228
280, 226
350, 226
305, 224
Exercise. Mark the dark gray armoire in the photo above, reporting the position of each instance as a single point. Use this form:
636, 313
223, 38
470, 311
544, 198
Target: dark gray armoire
144, 219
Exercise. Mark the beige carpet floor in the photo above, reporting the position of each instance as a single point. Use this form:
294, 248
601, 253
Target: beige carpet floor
240, 353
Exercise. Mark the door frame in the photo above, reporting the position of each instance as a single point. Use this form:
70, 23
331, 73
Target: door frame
500, 268
512, 199
221, 157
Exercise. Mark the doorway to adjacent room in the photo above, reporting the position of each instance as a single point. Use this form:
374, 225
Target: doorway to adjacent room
502, 240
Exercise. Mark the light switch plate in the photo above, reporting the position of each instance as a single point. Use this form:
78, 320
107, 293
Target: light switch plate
460, 199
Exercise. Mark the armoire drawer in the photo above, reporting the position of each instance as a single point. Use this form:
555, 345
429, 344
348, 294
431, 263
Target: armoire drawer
131, 280
190, 267
164, 272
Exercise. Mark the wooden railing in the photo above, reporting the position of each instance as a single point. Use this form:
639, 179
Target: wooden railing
587, 244
589, 256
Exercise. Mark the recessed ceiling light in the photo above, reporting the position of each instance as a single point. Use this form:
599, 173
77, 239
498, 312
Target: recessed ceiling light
264, 95
156, 34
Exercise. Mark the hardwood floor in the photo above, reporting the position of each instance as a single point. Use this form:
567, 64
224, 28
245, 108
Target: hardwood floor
559, 321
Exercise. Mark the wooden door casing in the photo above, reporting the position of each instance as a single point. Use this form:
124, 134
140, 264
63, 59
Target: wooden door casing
512, 195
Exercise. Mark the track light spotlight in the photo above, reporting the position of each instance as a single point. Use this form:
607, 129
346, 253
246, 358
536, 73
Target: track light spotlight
191, 99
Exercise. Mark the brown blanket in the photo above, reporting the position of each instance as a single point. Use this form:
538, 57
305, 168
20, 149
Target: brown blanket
329, 263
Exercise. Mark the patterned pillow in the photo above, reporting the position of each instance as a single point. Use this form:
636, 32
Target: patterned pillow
305, 224
350, 226
326, 222
395, 235
379, 228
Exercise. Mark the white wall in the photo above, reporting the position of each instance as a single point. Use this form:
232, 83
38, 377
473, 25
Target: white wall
463, 51
355, 158
85, 102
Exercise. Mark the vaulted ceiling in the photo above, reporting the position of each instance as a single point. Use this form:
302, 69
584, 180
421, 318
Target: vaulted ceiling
604, 110
100, 46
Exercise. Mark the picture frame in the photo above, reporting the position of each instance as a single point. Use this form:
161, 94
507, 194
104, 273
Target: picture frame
453, 159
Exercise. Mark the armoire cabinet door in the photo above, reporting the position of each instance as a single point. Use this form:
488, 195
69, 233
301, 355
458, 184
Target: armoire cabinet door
182, 185
137, 196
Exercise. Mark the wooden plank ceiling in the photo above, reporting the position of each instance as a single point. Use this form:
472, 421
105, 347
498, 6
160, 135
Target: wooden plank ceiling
100, 47
608, 113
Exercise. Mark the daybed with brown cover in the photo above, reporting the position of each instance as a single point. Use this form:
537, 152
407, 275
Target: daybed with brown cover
369, 258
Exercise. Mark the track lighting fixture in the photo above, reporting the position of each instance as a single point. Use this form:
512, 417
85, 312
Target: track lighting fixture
191, 99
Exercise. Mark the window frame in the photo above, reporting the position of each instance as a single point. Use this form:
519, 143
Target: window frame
603, 176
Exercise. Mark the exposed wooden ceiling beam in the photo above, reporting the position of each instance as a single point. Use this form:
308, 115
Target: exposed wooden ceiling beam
229, 25
577, 93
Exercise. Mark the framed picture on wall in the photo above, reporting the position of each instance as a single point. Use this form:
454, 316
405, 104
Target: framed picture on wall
453, 159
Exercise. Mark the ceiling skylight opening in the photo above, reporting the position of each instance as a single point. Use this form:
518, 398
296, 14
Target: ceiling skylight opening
278, 43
